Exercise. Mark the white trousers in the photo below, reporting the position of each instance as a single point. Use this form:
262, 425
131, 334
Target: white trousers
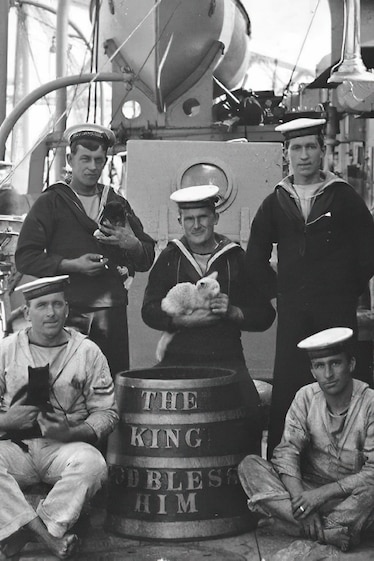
76, 470
268, 496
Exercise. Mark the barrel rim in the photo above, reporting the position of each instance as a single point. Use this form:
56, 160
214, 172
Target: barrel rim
185, 418
170, 383
205, 528
158, 462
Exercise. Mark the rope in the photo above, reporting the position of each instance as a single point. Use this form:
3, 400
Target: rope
146, 59
301, 49
27, 38
97, 44
87, 86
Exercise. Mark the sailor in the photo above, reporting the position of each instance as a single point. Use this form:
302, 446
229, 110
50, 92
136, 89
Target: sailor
324, 235
58, 237
206, 337
57, 404
320, 481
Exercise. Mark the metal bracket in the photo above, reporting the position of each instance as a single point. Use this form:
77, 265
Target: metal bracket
245, 227
162, 232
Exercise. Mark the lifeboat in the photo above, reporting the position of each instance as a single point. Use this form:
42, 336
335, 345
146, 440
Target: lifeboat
165, 42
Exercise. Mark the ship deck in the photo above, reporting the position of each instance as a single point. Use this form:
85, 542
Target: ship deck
260, 545
98, 544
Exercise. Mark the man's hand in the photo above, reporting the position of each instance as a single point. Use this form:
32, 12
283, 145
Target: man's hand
304, 505
198, 318
19, 417
220, 305
307, 502
54, 427
305, 510
90, 264
121, 236
312, 527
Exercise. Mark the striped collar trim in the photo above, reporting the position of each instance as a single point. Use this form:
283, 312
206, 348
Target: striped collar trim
215, 255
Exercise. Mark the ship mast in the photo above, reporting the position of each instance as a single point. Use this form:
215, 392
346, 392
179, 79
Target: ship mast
4, 11
62, 23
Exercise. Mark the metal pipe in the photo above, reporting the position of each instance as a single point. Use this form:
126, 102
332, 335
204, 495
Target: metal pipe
4, 10
61, 66
352, 66
20, 133
9, 122
54, 11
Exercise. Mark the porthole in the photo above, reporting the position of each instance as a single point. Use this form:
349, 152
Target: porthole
131, 109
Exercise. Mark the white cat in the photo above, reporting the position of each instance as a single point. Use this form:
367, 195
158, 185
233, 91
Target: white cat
183, 299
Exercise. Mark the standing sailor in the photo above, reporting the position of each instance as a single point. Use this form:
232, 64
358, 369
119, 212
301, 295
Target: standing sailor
325, 240
206, 337
57, 237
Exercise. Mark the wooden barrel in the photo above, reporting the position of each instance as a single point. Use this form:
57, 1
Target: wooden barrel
173, 457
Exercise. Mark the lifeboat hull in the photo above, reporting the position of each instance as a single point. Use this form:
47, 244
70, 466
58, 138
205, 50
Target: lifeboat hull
164, 43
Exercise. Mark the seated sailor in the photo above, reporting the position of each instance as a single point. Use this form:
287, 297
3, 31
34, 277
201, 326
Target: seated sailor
56, 403
320, 481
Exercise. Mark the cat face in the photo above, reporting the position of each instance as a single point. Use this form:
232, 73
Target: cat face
208, 285
115, 213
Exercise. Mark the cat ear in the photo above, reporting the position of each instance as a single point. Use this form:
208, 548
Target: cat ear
213, 275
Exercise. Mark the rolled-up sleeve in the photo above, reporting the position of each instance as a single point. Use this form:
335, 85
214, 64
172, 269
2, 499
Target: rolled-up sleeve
365, 476
100, 399
286, 457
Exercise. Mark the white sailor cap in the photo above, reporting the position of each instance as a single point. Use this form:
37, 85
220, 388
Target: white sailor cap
327, 342
300, 127
90, 131
43, 286
196, 197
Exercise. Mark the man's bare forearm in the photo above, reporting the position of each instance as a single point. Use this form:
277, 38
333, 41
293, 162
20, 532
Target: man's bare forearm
293, 485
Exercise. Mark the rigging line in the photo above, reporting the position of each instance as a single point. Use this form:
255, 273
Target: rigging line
45, 23
51, 124
302, 47
95, 44
53, 27
94, 34
97, 9
146, 59
156, 4
27, 39
94, 77
44, 132
88, 51
42, 22
96, 58
76, 96
70, 105
88, 86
